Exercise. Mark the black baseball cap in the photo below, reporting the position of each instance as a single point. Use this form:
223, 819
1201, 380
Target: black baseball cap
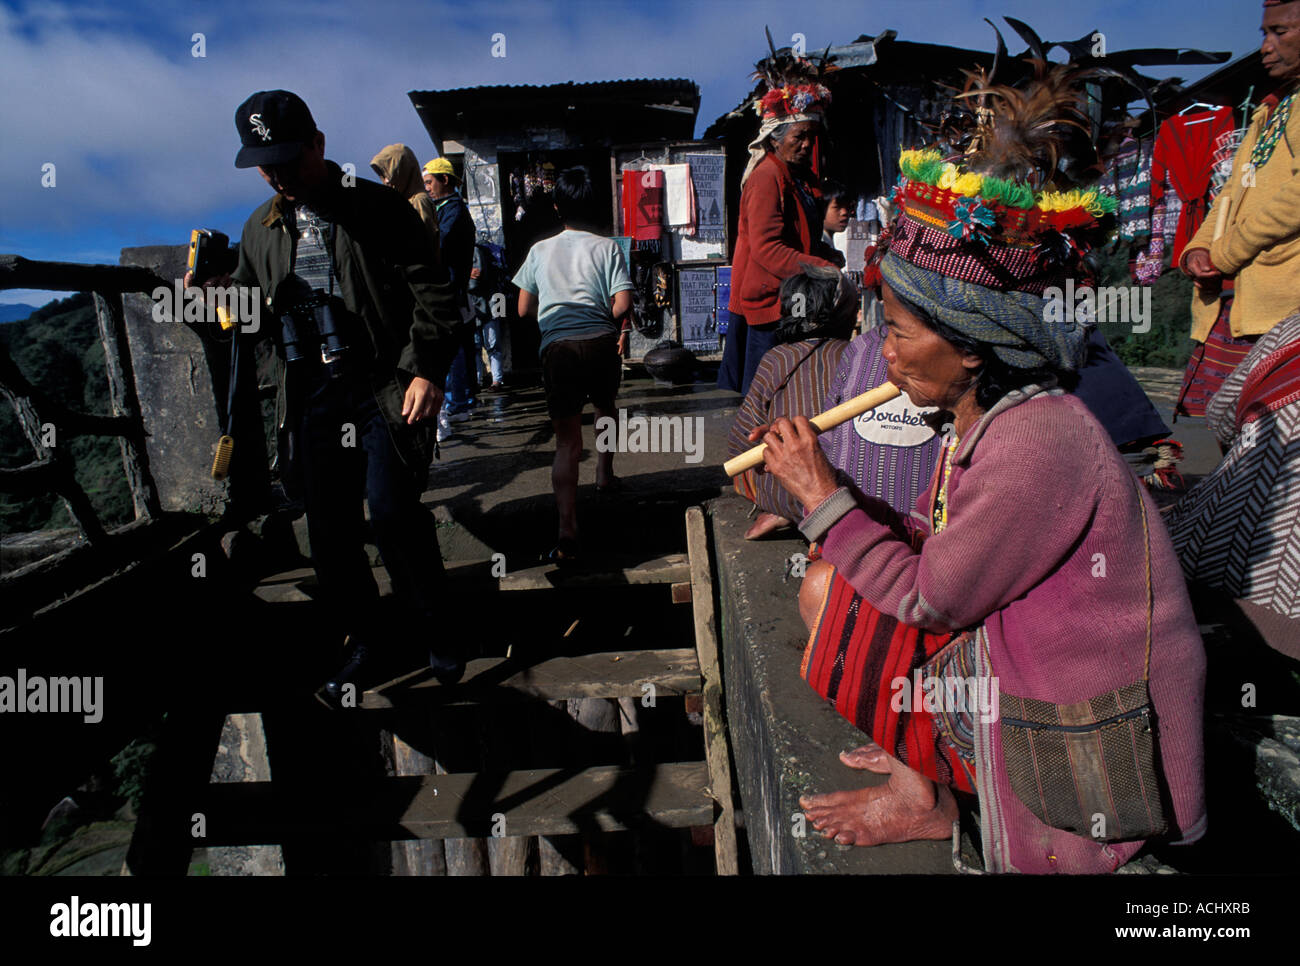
273, 126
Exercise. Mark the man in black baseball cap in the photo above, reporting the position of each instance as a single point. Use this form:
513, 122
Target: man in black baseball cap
365, 315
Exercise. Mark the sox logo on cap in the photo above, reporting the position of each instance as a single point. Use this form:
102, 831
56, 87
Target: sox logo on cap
256, 121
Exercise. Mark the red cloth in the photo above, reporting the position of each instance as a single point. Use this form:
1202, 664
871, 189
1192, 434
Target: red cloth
862, 661
1211, 363
773, 241
1185, 152
643, 204
1274, 382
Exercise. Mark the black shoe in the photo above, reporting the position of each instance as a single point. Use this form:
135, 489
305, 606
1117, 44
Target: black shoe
448, 670
564, 554
360, 663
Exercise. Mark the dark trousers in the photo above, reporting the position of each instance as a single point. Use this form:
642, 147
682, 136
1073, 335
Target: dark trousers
462, 378
742, 352
336, 478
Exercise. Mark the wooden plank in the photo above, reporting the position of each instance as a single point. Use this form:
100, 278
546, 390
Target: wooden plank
295, 586
716, 751
19, 272
543, 801
613, 674
668, 569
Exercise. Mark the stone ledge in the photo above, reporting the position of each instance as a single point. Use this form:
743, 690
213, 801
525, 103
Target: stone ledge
785, 739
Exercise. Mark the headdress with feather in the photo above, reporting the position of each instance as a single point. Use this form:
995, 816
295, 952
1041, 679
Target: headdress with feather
1012, 210
794, 83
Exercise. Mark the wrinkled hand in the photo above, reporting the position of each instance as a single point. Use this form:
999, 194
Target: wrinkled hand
423, 399
794, 457
1200, 267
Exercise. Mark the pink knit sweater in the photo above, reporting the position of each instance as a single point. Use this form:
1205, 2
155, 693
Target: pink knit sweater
1044, 547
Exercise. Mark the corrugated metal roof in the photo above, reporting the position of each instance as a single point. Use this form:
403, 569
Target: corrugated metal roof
626, 110
680, 84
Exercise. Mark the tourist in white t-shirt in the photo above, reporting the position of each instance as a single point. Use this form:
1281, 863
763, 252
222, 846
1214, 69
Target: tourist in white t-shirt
577, 286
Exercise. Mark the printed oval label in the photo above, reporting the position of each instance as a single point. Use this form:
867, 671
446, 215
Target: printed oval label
896, 423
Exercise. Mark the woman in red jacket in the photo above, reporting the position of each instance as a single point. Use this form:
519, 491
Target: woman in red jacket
780, 225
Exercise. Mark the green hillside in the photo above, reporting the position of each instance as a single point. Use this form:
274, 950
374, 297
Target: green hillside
1168, 344
58, 349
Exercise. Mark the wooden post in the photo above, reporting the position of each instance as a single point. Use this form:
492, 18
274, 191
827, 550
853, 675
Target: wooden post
556, 854
415, 856
122, 396
455, 754
501, 729
167, 831
715, 733
598, 720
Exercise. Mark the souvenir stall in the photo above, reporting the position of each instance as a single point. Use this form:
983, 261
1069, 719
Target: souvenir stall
511, 142
671, 213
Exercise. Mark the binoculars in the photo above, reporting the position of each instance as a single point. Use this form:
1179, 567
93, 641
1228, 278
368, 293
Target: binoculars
314, 320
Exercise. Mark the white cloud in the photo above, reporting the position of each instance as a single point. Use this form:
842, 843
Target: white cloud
142, 133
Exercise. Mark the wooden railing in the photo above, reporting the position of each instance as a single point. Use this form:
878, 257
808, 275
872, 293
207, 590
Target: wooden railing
53, 468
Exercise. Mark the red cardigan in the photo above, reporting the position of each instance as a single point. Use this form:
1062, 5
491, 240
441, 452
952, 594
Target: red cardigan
773, 240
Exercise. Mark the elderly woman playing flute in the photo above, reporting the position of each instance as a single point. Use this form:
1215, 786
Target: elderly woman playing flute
1025, 636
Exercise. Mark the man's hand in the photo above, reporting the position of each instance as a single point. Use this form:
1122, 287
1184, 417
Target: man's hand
1198, 265
423, 399
622, 344
475, 272
795, 458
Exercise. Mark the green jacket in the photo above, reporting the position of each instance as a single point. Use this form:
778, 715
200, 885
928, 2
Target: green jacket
388, 275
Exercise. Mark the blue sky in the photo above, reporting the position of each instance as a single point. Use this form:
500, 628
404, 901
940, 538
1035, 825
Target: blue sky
142, 137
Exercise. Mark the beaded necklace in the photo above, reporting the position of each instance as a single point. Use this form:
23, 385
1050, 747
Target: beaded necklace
1272, 133
939, 521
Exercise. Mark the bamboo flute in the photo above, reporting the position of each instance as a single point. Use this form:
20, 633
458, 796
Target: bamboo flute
822, 421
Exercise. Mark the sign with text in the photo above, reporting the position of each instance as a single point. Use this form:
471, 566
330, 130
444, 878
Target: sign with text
698, 309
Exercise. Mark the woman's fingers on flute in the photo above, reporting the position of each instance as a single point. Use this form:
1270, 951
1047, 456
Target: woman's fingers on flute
777, 435
794, 457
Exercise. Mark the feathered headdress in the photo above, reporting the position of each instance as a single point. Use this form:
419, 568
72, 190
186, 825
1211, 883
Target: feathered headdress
1024, 134
1009, 211
794, 84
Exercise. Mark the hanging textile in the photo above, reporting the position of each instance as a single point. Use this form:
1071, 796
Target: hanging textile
643, 204
679, 197
1130, 176
1184, 151
1225, 151
1150, 264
